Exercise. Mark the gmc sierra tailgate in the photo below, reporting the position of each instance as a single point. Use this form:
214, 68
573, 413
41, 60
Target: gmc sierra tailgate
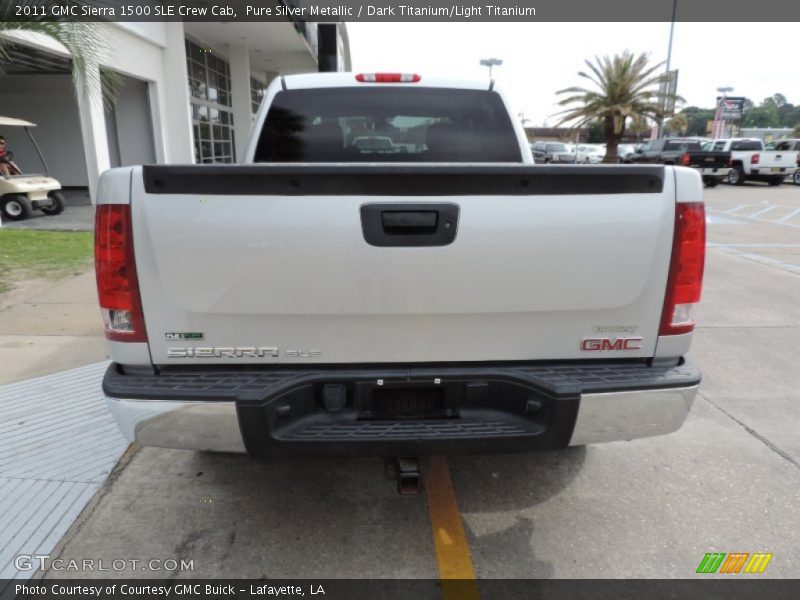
382, 263
775, 162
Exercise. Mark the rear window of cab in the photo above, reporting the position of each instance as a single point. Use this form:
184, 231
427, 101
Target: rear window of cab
387, 124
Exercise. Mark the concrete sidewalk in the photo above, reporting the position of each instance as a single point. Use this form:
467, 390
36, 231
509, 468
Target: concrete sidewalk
48, 326
58, 442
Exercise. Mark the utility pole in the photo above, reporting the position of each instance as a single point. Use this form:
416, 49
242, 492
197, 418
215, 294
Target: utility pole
660, 121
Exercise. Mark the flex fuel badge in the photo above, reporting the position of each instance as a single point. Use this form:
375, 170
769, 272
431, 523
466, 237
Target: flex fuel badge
184, 335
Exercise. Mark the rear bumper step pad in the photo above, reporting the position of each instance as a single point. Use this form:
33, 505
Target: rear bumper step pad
391, 411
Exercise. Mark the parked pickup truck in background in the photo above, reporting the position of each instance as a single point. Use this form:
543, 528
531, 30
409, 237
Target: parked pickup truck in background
713, 166
326, 298
791, 145
751, 162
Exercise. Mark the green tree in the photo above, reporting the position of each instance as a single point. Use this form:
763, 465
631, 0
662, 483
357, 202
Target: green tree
622, 87
595, 132
789, 114
639, 127
678, 124
85, 42
697, 119
764, 115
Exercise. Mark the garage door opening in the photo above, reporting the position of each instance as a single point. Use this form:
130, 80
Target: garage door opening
37, 86
129, 125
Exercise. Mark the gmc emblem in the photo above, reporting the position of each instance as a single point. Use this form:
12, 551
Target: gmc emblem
609, 344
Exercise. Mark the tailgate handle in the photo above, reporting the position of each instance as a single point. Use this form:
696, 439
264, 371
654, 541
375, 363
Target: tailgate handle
409, 222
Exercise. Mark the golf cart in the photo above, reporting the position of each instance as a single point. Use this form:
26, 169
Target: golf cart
21, 194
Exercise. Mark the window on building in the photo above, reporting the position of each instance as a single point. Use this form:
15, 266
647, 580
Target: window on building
256, 94
210, 97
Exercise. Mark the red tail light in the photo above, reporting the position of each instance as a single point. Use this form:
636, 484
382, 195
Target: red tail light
755, 160
117, 285
685, 281
388, 77
686, 160
798, 159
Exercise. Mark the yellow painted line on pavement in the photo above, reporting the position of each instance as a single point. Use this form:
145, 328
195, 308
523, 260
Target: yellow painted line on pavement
450, 542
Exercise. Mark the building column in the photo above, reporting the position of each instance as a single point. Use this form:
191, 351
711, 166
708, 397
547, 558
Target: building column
239, 59
93, 126
175, 121
328, 47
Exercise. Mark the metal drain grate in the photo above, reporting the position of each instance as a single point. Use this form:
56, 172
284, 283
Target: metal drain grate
58, 443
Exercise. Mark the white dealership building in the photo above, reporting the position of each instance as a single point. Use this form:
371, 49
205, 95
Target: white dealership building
188, 92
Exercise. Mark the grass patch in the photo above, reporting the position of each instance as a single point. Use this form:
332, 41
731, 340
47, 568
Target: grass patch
28, 254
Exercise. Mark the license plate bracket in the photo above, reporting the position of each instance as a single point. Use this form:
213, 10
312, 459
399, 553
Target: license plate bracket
406, 400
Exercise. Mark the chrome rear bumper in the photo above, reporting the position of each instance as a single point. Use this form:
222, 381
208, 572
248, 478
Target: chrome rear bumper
214, 426
206, 426
630, 415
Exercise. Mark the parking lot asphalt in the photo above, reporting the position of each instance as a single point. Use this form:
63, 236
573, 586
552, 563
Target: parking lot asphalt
728, 481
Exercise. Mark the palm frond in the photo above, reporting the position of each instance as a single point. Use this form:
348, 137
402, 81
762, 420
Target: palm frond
85, 42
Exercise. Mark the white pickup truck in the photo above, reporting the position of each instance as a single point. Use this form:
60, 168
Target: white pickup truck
324, 298
751, 162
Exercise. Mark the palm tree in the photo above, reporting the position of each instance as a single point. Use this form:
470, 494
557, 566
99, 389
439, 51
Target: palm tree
85, 42
677, 124
638, 126
625, 87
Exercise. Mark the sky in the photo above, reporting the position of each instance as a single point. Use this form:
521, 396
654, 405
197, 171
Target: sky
756, 59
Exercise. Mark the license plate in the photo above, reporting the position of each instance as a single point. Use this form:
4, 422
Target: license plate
777, 170
408, 402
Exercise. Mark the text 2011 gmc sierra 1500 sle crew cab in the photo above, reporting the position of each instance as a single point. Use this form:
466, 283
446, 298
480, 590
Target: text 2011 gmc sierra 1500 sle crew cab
337, 298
